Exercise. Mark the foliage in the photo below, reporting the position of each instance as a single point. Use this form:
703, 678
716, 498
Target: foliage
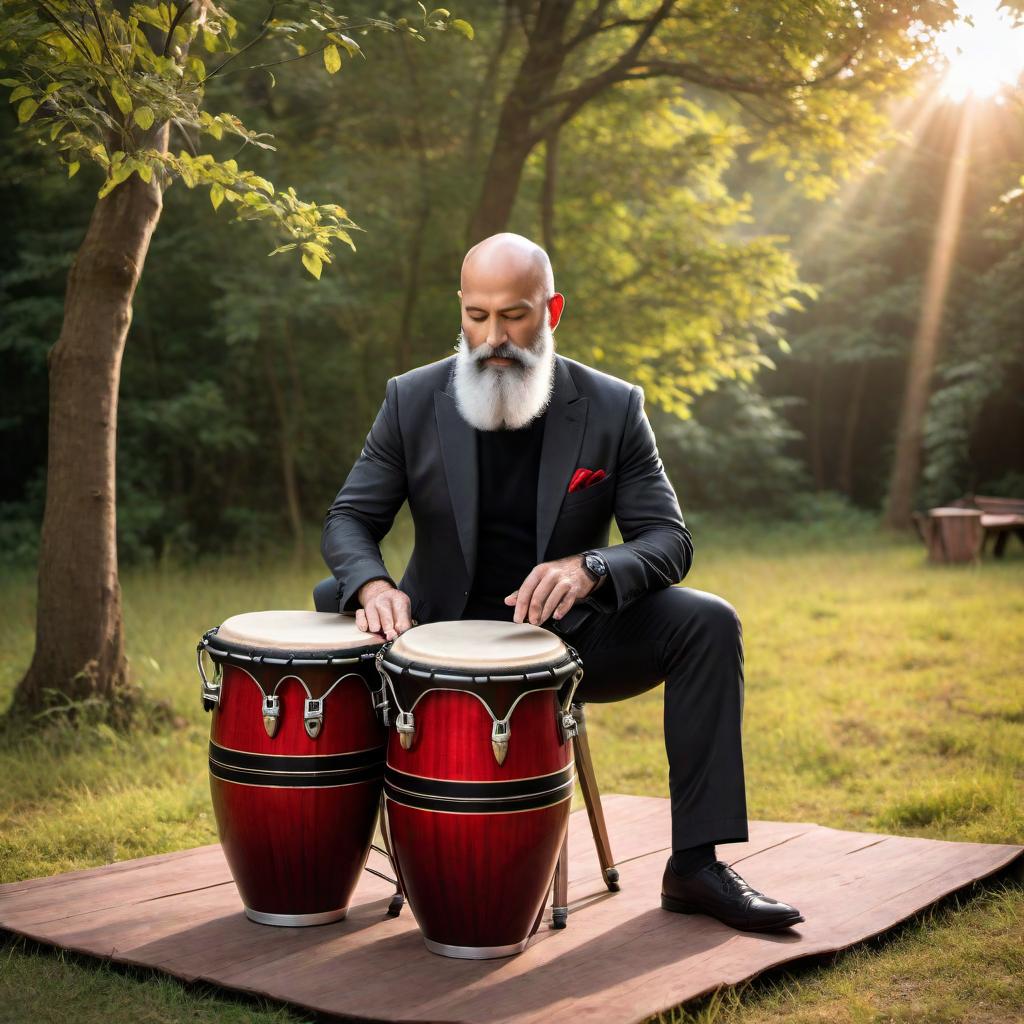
101, 85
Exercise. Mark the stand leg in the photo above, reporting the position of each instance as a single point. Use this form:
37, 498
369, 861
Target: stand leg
560, 901
592, 799
398, 900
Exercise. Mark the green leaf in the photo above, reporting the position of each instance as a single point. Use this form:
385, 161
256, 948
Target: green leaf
282, 248
121, 96
11, 83
19, 94
143, 117
216, 194
332, 61
26, 109
312, 263
73, 168
462, 27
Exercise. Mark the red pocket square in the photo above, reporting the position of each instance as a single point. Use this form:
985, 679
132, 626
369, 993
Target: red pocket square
584, 478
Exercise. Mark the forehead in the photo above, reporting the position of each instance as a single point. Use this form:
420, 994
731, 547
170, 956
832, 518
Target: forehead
487, 284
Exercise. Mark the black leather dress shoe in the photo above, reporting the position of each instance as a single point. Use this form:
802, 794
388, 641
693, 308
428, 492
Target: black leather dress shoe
719, 891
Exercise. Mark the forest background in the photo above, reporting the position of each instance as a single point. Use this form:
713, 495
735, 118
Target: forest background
762, 276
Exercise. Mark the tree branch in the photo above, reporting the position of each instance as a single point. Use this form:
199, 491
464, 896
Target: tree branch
174, 24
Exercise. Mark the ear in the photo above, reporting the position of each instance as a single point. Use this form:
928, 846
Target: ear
555, 306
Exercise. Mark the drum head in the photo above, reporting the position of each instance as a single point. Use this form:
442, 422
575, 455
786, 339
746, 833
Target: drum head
479, 645
298, 634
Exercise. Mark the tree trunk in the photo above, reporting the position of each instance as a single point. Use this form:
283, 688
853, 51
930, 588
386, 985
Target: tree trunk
853, 406
286, 445
815, 439
79, 650
515, 135
547, 195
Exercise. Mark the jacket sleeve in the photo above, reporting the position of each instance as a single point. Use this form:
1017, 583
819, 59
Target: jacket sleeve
365, 507
657, 549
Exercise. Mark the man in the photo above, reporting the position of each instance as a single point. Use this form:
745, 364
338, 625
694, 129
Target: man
490, 446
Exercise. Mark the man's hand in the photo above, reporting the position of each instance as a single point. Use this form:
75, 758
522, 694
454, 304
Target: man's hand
386, 609
552, 588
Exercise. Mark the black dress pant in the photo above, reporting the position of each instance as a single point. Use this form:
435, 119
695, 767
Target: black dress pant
693, 641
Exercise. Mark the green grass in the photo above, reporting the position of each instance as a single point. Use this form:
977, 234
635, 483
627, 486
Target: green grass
882, 694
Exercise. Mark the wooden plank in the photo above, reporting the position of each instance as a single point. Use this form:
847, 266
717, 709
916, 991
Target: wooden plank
621, 958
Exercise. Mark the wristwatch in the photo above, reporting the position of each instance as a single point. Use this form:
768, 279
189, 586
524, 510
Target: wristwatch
595, 566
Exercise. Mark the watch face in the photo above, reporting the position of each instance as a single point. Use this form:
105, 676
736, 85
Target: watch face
596, 565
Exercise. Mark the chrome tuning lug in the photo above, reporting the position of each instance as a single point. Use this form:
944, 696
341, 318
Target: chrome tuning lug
209, 688
313, 717
271, 713
570, 727
405, 725
500, 733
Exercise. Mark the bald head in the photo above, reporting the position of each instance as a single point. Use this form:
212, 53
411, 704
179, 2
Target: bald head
508, 261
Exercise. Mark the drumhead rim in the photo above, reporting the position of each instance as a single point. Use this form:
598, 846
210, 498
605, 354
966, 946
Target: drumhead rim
566, 664
226, 650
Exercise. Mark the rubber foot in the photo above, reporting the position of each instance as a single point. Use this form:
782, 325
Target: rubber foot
396, 904
559, 917
611, 878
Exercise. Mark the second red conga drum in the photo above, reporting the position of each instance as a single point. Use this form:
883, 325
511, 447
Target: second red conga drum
479, 778
296, 759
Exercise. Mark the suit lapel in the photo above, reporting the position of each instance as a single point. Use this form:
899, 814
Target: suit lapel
563, 436
564, 425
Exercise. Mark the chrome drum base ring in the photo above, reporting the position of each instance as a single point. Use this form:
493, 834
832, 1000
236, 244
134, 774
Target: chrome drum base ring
475, 952
296, 920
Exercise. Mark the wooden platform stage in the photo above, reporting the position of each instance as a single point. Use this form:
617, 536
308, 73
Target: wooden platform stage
621, 958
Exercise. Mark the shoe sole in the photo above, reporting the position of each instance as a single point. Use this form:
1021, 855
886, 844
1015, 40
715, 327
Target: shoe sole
682, 907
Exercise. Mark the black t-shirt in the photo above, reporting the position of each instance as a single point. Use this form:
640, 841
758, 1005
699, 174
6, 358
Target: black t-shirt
508, 464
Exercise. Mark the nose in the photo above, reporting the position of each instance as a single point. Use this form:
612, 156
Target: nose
497, 333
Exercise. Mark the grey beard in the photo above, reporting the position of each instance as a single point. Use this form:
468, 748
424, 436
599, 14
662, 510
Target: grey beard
504, 397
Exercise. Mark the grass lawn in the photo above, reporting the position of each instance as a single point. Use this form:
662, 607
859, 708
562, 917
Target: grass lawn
882, 694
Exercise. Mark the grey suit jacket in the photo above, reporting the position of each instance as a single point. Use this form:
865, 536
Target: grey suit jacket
420, 449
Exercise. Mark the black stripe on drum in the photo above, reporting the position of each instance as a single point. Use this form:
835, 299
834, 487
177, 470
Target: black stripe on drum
292, 780
500, 805
297, 763
453, 789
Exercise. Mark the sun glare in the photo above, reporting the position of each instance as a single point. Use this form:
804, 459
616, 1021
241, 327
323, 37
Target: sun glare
983, 55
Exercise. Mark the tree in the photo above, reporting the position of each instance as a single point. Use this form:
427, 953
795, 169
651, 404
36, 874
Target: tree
808, 76
106, 82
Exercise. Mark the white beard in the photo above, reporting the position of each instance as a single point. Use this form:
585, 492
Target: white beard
504, 397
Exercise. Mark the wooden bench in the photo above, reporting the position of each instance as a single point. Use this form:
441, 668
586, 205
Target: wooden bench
960, 531
1001, 517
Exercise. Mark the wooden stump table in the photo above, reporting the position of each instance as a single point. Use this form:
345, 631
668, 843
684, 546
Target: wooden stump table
953, 534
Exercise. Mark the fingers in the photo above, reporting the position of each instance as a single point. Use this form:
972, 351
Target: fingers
565, 604
525, 594
541, 593
555, 599
372, 616
403, 615
388, 614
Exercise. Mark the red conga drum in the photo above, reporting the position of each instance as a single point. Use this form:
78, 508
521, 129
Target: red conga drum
479, 778
296, 759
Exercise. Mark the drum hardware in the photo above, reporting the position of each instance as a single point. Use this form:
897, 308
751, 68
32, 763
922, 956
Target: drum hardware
380, 697
209, 689
313, 717
271, 713
500, 733
405, 725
